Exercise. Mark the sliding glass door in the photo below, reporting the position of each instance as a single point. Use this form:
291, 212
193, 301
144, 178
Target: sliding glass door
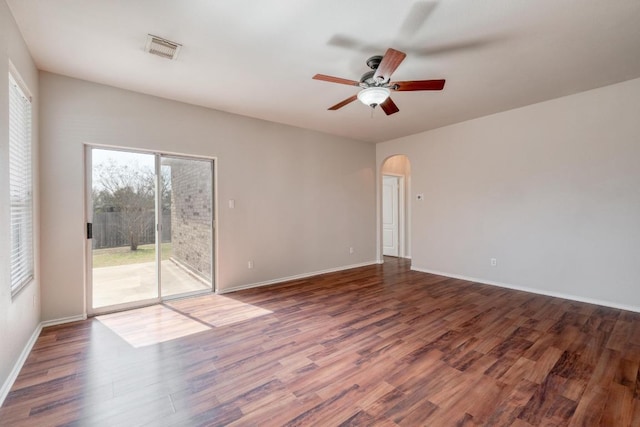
187, 236
150, 228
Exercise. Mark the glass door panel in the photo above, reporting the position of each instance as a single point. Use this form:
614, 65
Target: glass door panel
187, 225
123, 196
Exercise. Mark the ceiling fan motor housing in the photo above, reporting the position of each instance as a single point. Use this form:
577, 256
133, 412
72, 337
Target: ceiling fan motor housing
367, 79
374, 62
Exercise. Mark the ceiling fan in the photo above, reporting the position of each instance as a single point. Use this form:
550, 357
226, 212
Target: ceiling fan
377, 85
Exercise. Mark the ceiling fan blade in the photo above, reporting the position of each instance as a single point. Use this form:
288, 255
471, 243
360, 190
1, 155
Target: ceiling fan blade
343, 103
456, 46
391, 60
332, 79
351, 43
389, 107
416, 17
410, 85
347, 42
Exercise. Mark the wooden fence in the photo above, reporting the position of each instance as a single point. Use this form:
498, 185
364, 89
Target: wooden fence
109, 229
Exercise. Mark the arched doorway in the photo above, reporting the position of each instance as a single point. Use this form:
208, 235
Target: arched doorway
395, 209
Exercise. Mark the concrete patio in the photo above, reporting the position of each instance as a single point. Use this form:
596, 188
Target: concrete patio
135, 282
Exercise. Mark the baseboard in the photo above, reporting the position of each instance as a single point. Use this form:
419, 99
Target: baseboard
381, 261
63, 320
296, 277
532, 290
6, 387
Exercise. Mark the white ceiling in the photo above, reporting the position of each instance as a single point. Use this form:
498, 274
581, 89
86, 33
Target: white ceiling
256, 58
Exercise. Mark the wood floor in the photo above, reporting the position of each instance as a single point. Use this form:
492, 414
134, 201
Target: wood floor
378, 345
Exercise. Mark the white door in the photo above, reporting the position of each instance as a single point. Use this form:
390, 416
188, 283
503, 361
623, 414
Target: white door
390, 202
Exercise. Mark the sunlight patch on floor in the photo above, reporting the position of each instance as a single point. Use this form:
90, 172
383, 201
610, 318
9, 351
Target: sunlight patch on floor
151, 325
218, 310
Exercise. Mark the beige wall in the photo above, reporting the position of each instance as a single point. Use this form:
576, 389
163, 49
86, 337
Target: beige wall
551, 190
19, 316
302, 198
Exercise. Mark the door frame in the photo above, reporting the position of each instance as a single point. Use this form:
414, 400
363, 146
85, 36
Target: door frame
88, 218
214, 234
391, 215
401, 212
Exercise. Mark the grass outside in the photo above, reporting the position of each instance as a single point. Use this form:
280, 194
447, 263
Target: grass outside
120, 256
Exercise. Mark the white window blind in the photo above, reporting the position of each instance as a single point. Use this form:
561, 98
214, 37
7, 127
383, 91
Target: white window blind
20, 186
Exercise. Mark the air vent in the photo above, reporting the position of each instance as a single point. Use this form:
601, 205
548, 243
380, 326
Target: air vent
162, 47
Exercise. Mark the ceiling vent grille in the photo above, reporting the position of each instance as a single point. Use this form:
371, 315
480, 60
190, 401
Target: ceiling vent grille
162, 47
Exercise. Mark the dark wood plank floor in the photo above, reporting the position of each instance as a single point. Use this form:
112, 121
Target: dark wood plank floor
378, 345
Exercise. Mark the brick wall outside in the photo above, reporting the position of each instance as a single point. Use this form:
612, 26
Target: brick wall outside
191, 207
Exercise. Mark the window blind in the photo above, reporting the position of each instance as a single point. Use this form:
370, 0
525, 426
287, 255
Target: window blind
20, 186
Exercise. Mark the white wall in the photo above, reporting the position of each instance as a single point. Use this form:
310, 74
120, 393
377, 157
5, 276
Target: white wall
20, 315
551, 190
302, 198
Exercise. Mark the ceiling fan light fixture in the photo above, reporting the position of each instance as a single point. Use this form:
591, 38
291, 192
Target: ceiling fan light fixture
373, 96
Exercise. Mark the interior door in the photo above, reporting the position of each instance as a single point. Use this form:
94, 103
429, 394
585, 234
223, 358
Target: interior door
390, 208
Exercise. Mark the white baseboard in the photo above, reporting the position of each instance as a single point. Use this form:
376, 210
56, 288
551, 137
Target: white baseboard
296, 277
4, 391
63, 320
6, 387
532, 290
381, 261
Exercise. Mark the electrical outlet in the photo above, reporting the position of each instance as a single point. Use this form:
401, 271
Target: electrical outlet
494, 262
249, 264
351, 250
